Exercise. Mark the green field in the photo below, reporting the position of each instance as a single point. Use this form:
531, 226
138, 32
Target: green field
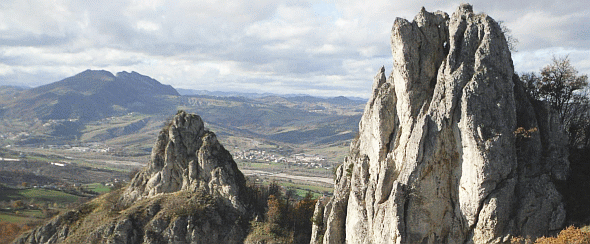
32, 201
302, 189
98, 188
11, 218
45, 195
35, 213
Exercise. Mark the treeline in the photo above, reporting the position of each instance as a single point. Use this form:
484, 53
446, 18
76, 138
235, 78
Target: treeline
566, 92
281, 216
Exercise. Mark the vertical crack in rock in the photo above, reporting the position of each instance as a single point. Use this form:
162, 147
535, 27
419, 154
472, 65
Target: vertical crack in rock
437, 159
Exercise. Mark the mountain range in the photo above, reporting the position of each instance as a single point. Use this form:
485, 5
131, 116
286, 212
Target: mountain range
97, 106
90, 95
192, 92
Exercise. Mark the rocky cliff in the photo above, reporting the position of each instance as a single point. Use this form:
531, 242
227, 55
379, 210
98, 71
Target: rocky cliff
186, 157
191, 192
450, 149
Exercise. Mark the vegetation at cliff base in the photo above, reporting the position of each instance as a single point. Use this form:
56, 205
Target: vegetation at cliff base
570, 235
285, 220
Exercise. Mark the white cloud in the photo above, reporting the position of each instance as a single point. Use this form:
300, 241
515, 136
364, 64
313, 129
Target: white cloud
533, 61
145, 25
328, 49
542, 29
320, 46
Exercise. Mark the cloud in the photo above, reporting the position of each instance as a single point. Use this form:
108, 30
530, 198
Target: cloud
297, 46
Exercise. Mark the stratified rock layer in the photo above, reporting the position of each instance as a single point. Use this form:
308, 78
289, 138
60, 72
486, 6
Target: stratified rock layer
450, 148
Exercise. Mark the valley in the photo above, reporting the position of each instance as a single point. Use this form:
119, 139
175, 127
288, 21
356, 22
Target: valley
44, 174
70, 141
53, 164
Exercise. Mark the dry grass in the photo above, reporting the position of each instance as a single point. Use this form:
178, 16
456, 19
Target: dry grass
9, 231
570, 235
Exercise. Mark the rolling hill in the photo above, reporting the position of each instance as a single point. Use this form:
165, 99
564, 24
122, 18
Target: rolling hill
90, 95
126, 110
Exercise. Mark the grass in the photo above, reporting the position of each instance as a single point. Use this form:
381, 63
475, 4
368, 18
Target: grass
113, 169
39, 158
100, 130
308, 187
569, 235
13, 221
302, 189
98, 188
335, 152
45, 195
302, 193
256, 165
34, 213
11, 218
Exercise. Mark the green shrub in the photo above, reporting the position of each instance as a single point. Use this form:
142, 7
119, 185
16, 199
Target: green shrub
318, 219
349, 170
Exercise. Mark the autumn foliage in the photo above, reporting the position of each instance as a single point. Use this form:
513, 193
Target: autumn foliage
9, 231
286, 219
570, 235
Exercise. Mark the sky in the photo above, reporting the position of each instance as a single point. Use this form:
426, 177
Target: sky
322, 48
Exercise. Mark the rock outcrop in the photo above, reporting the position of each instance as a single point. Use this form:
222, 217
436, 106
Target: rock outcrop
450, 149
191, 192
186, 157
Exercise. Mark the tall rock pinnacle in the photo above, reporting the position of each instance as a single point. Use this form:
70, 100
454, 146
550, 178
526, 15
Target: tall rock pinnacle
188, 157
450, 149
190, 192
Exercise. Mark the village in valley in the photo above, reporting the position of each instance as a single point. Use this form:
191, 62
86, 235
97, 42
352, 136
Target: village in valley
300, 159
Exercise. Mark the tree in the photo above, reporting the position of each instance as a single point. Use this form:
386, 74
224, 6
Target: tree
560, 85
510, 39
274, 215
18, 204
531, 83
302, 218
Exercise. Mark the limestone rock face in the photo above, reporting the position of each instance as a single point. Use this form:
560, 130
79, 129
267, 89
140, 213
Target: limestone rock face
166, 218
190, 192
188, 157
450, 149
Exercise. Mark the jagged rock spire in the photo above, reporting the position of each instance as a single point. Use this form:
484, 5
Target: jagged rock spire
188, 157
190, 192
437, 159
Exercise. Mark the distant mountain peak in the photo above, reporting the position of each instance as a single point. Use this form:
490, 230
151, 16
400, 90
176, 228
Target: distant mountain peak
93, 94
132, 73
95, 73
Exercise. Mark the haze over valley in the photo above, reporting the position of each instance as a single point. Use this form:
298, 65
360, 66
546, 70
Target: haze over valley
105, 121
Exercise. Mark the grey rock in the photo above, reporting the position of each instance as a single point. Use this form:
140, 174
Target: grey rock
188, 157
450, 149
190, 192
